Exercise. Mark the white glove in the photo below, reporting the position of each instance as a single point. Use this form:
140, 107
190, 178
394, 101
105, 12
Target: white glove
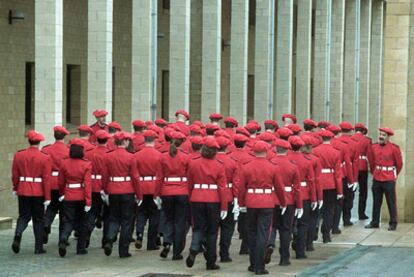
46, 204
299, 213
61, 198
139, 202
223, 215
339, 196
355, 186
236, 215
235, 205
14, 193
105, 197
283, 210
87, 209
243, 209
158, 202
314, 205
350, 185
320, 203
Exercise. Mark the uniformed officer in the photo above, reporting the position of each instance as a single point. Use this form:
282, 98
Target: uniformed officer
137, 137
113, 127
271, 125
75, 189
230, 124
385, 163
288, 119
31, 171
100, 116
181, 118
215, 118
57, 152
85, 134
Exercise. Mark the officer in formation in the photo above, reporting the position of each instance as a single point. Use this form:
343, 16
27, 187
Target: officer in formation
178, 177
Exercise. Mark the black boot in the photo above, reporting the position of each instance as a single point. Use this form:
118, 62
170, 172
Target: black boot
39, 251
268, 255
62, 249
108, 248
191, 258
16, 244
165, 251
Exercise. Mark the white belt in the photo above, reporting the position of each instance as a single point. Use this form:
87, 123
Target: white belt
363, 157
55, 173
342, 164
229, 185
175, 179
96, 177
260, 191
327, 170
288, 188
30, 179
205, 186
120, 179
147, 178
385, 168
74, 186
303, 184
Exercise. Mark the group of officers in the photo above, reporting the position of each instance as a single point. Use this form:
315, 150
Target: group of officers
203, 177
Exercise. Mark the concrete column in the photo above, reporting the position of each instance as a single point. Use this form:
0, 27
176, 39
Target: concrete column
48, 61
143, 59
337, 61
179, 56
264, 60
321, 69
239, 59
211, 58
376, 66
100, 14
303, 59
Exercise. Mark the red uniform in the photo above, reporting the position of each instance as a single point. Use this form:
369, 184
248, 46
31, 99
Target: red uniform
363, 144
172, 175
230, 166
346, 164
185, 129
97, 157
147, 162
307, 176
385, 161
353, 155
57, 152
138, 141
317, 168
96, 127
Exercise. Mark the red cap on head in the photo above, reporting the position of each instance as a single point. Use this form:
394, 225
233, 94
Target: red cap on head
253, 122
272, 122
323, 124
212, 127
345, 125
115, 125
308, 139
296, 140
102, 134
260, 146
334, 129
182, 112
161, 121
122, 135
240, 137
99, 113
139, 123
266, 136
251, 127
196, 140
295, 128
215, 116
85, 128
291, 116
284, 132
35, 136
310, 122
149, 123
154, 128
232, 120
387, 130
360, 126
199, 123
243, 131
282, 143
326, 134
223, 142
77, 141
222, 133
177, 135
211, 142
61, 129
150, 134
195, 129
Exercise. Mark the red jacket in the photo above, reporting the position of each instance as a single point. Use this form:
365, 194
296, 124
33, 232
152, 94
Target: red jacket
31, 172
172, 175
147, 162
207, 181
97, 157
138, 141
385, 161
353, 155
96, 127
346, 164
120, 175
183, 127
317, 168
307, 175
241, 155
230, 166
57, 152
259, 180
290, 175
363, 143
111, 144
75, 180
331, 175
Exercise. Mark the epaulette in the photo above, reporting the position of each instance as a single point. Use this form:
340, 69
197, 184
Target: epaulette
90, 149
234, 159
273, 162
293, 161
65, 158
183, 151
110, 151
21, 150
246, 162
395, 145
307, 156
196, 157
220, 161
47, 145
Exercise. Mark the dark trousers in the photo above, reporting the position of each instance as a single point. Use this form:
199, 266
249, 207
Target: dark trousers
348, 202
121, 213
205, 220
283, 223
378, 190
31, 208
226, 232
313, 227
339, 207
363, 192
95, 213
242, 229
258, 222
176, 211
302, 228
74, 216
328, 211
54, 207
148, 211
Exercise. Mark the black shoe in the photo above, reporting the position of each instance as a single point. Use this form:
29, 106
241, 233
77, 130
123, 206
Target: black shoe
326, 239
262, 272
164, 252
138, 244
371, 226
62, 249
244, 252
39, 251
108, 248
190, 259
268, 255
363, 217
310, 248
213, 267
392, 228
153, 248
177, 257
226, 260
336, 231
82, 252
250, 268
348, 223
301, 257
284, 262
16, 244
123, 256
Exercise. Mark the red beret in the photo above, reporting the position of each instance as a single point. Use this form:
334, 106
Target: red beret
35, 136
326, 134
295, 128
323, 124
272, 122
199, 123
196, 140
240, 137
296, 140
182, 112
284, 132
85, 128
195, 129
150, 134
122, 135
223, 141
360, 126
102, 134
251, 127
155, 128
232, 120
266, 136
149, 123
222, 133
77, 141
160, 121
253, 122
61, 129
115, 125
345, 125
334, 129
211, 142
310, 122
387, 130
212, 127
215, 116
243, 131
100, 113
307, 139
139, 123
289, 116
260, 146
282, 143
168, 130
177, 135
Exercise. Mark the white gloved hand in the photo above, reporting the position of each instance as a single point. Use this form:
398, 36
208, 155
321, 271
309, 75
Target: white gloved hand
243, 209
299, 213
283, 210
350, 185
87, 209
46, 204
223, 215
236, 215
320, 203
139, 202
314, 205
235, 205
105, 197
158, 202
14, 193
61, 198
355, 186
339, 196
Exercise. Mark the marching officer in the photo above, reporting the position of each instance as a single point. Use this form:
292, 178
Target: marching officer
181, 118
113, 127
259, 180
137, 137
85, 134
100, 116
215, 118
385, 163
75, 189
57, 152
207, 184
31, 172
230, 124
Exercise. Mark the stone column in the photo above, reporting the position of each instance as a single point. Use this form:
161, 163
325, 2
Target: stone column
264, 60
143, 59
211, 58
337, 61
180, 16
303, 59
100, 14
48, 60
239, 59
